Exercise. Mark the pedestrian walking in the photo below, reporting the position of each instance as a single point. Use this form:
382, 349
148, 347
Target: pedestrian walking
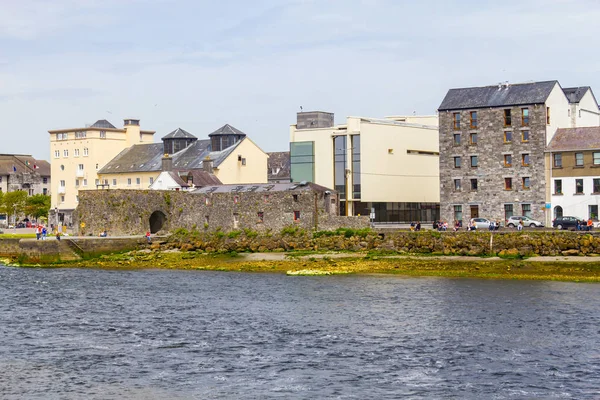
148, 237
44, 233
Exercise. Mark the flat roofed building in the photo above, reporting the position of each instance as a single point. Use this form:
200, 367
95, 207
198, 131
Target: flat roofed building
389, 165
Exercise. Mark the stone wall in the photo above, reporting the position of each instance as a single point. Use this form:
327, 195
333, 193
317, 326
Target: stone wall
9, 247
491, 196
129, 212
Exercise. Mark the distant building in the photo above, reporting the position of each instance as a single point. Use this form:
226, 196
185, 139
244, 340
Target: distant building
574, 157
492, 143
79, 153
278, 167
23, 172
388, 165
232, 158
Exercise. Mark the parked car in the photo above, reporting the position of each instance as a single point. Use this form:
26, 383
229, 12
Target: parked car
566, 222
514, 221
21, 225
481, 223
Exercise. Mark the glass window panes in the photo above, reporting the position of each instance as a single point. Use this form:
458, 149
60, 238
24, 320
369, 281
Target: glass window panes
474, 161
507, 137
558, 186
596, 158
525, 136
579, 159
578, 186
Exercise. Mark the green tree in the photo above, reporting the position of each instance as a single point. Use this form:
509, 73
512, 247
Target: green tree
37, 206
13, 201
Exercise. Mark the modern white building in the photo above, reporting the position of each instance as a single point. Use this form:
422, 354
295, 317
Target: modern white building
386, 165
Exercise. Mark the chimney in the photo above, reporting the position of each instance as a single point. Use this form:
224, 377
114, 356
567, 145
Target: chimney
207, 165
167, 163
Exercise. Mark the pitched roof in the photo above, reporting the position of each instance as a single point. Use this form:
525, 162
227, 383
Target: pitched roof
497, 96
262, 187
199, 178
102, 123
572, 139
23, 163
227, 130
575, 94
179, 134
278, 165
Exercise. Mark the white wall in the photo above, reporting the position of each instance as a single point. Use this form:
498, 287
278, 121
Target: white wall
559, 112
586, 111
575, 205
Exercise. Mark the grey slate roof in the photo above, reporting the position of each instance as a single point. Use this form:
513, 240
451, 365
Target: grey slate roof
227, 130
261, 187
278, 165
199, 178
572, 139
575, 94
179, 134
23, 163
102, 123
148, 158
493, 96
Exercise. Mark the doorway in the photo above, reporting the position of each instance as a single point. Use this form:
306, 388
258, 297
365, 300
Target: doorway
157, 220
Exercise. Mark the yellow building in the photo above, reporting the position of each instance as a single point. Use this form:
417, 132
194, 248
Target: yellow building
77, 154
388, 165
235, 159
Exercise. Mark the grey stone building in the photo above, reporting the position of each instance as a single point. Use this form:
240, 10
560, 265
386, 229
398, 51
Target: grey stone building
492, 142
278, 167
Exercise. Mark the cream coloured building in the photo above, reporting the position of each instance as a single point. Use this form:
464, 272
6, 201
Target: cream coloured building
77, 154
234, 159
389, 165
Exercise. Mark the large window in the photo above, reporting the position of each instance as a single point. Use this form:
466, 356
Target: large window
525, 116
558, 186
578, 186
339, 151
507, 118
526, 208
596, 158
579, 159
473, 115
508, 211
456, 120
302, 160
596, 185
355, 166
473, 184
557, 158
458, 213
457, 185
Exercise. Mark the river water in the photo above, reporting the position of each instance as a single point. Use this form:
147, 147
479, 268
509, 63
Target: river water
156, 334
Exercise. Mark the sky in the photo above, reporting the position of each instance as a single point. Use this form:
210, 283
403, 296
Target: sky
198, 64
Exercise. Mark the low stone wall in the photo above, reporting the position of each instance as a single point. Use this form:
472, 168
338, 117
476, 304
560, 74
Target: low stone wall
9, 247
94, 245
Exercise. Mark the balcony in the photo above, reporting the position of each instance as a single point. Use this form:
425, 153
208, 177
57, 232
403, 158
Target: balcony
79, 173
61, 190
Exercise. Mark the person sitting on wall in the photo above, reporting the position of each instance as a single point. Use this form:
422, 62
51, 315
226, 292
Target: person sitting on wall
103, 233
590, 225
418, 226
412, 226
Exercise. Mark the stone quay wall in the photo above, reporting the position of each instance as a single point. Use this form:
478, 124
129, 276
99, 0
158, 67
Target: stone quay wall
130, 212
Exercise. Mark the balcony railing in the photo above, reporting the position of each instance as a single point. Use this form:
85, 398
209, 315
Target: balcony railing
61, 190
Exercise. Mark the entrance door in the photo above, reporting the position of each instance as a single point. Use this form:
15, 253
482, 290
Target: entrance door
474, 211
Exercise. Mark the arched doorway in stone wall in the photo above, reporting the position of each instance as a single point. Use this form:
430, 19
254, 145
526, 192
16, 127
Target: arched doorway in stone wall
558, 212
157, 220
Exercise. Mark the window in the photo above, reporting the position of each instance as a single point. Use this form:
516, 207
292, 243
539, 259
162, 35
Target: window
151, 180
62, 199
456, 162
548, 115
80, 135
97, 167
507, 183
295, 196
525, 160
507, 118
579, 159
507, 137
296, 215
302, 161
596, 185
474, 211
596, 156
62, 167
261, 217
102, 134
44, 180
457, 139
526, 208
456, 121
339, 165
85, 151
97, 182
128, 181
526, 183
356, 175
62, 183
558, 186
85, 182
473, 184
114, 182
474, 161
578, 186
77, 198
138, 181
76, 152
558, 160
473, 138
76, 182
65, 153
458, 213
473, 115
244, 161
508, 160
525, 116
56, 153
508, 211
80, 167
44, 191
593, 212
457, 185
524, 136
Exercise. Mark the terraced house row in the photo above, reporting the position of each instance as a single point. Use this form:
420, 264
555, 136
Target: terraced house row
496, 143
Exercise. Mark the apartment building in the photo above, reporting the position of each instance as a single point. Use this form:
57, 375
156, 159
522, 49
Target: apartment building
77, 154
386, 168
574, 159
492, 145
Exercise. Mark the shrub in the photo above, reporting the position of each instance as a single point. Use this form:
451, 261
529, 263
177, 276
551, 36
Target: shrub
233, 234
250, 233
